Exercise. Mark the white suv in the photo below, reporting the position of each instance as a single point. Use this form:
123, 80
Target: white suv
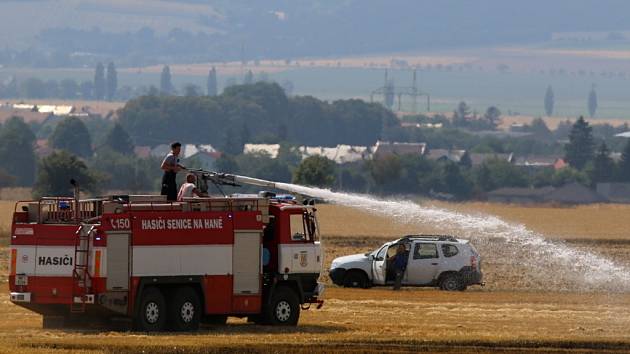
434, 260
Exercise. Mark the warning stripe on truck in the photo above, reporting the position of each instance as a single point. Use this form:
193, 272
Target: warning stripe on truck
97, 264
13, 261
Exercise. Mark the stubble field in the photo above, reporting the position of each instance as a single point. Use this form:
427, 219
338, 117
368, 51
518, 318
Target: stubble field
506, 315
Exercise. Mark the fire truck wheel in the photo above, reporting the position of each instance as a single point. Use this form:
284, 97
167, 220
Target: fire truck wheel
284, 309
152, 311
185, 310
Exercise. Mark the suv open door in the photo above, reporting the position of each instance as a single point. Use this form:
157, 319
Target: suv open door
379, 266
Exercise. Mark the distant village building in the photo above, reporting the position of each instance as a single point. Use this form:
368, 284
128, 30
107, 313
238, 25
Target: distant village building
270, 149
478, 159
446, 155
340, 154
533, 162
385, 149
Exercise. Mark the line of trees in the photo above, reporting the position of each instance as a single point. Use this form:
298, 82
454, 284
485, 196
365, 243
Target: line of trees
549, 101
260, 112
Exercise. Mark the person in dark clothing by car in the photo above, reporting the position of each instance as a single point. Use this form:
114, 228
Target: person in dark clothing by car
400, 265
171, 166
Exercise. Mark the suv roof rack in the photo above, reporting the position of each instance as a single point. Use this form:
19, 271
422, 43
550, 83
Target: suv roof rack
432, 237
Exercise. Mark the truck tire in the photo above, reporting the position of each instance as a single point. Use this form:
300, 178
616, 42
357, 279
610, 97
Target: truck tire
452, 282
185, 310
151, 315
284, 308
355, 279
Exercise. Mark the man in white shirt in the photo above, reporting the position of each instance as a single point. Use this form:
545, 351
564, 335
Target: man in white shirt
188, 189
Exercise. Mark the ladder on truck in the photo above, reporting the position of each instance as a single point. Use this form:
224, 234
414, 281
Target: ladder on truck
81, 278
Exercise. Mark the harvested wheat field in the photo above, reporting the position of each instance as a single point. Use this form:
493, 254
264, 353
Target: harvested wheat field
520, 309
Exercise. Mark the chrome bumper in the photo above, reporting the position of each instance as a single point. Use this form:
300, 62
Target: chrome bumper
20, 297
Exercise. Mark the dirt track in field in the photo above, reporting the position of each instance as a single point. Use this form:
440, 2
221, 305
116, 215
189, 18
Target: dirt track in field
503, 316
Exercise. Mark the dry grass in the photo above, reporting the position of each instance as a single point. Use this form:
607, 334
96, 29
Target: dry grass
370, 321
272, 66
600, 221
587, 222
16, 193
379, 320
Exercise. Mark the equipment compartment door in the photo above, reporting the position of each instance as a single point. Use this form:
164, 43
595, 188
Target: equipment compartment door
117, 261
246, 262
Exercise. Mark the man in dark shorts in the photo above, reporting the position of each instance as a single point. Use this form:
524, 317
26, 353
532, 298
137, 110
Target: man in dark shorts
400, 265
171, 166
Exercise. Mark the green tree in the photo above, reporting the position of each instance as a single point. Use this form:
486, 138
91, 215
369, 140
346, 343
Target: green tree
483, 178
69, 89
569, 175
249, 78
226, 163
461, 115
492, 116
112, 81
386, 170
465, 161
389, 94
580, 149
122, 172
72, 135
166, 85
17, 150
100, 86
603, 166
549, 101
263, 166
455, 182
52, 89
540, 130
55, 172
496, 173
33, 88
118, 140
624, 164
87, 90
212, 82
192, 90
592, 102
315, 171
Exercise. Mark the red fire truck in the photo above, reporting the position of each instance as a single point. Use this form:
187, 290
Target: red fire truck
167, 265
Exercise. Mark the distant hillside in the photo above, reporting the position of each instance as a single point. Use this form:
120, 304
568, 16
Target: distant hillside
76, 33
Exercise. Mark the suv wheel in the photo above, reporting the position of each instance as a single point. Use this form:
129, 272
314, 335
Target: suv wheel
355, 279
452, 282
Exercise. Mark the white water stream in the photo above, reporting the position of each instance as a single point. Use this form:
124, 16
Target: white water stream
526, 257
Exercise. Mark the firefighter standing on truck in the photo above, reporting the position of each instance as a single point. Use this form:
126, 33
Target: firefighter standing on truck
171, 166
